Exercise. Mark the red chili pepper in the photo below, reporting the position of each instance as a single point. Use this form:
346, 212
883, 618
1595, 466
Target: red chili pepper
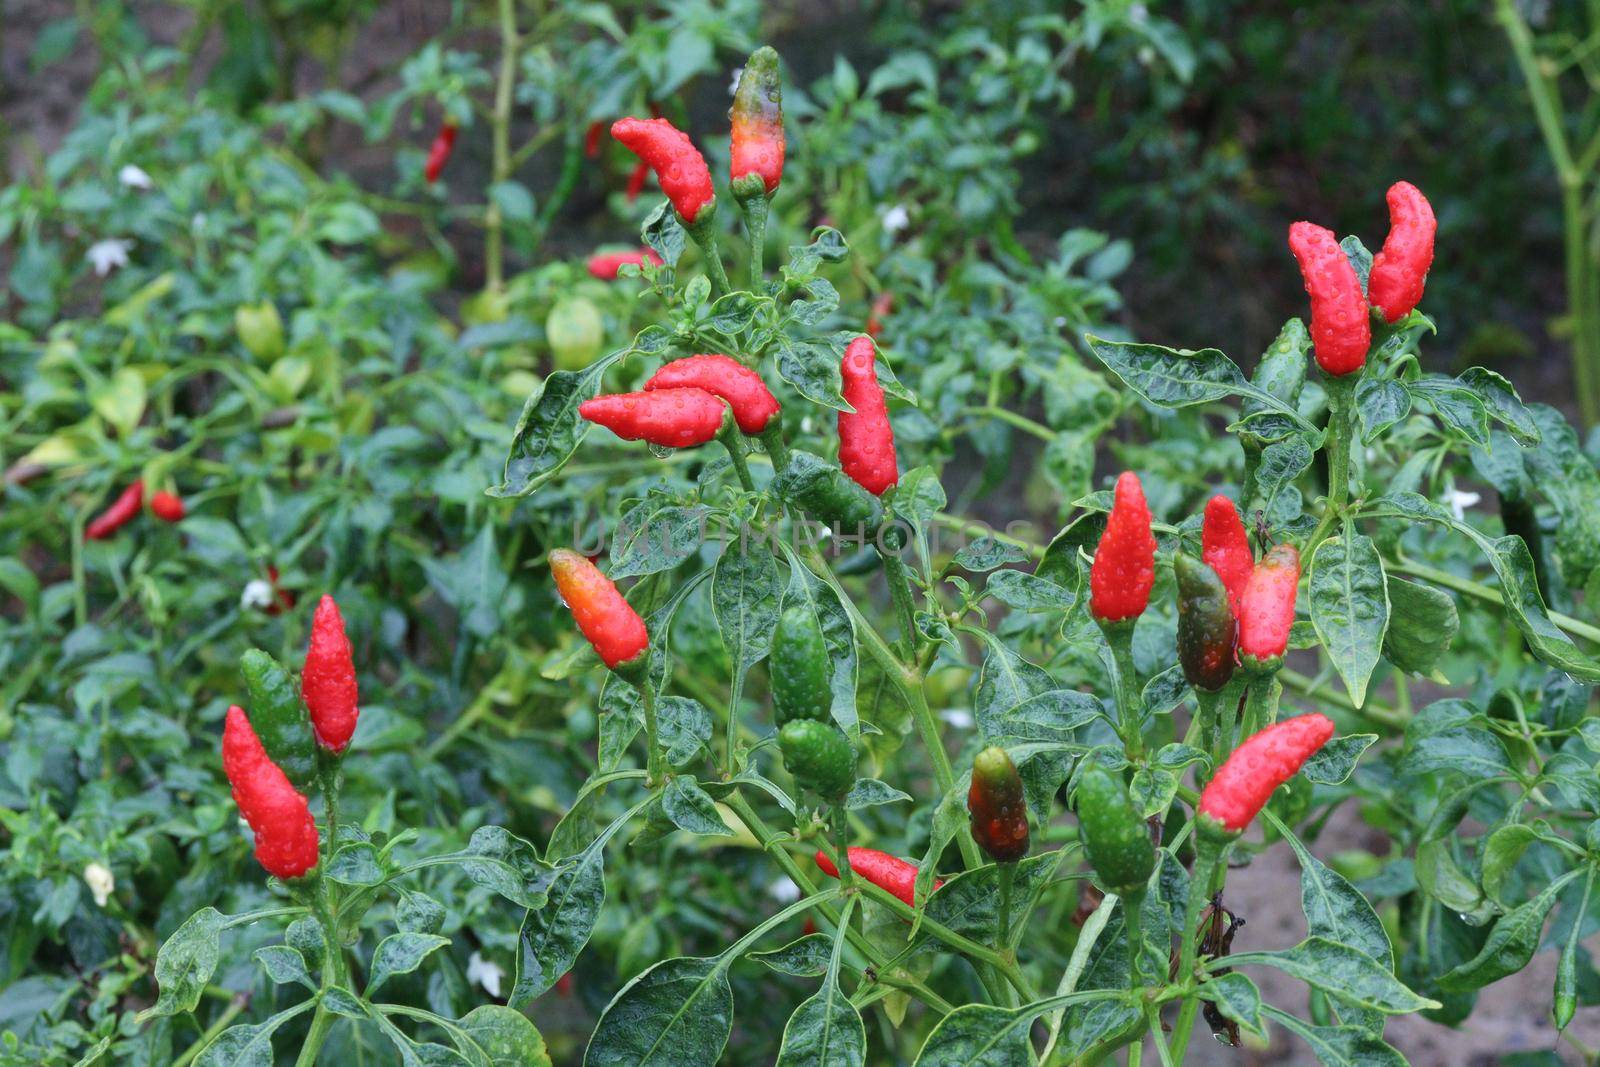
998, 809
328, 679
866, 439
641, 171
286, 835
1400, 270
881, 306
757, 120
1261, 763
678, 164
168, 507
591, 138
439, 152
1225, 547
752, 402
605, 265
671, 418
1266, 610
606, 619
119, 514
1124, 565
882, 870
1340, 328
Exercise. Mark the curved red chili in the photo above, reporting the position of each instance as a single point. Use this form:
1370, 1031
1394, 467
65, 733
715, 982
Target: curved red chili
678, 164
119, 514
1266, 609
866, 438
752, 402
286, 835
607, 620
1225, 547
757, 122
1340, 329
328, 679
444, 143
882, 870
1400, 270
1261, 763
641, 171
1124, 565
605, 265
671, 418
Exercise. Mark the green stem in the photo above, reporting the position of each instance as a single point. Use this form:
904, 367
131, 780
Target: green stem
1119, 635
1002, 937
1209, 855
838, 823
705, 236
203, 1042
960, 942
333, 974
1132, 922
647, 698
1087, 937
730, 440
1487, 595
899, 582
493, 223
755, 221
772, 440
1153, 1018
1341, 391
1260, 704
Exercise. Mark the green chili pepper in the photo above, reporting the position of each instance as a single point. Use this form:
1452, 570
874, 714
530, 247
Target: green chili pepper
279, 717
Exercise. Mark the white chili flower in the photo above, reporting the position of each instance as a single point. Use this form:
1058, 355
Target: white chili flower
1458, 502
784, 891
485, 974
896, 219
134, 177
960, 718
108, 255
257, 594
100, 881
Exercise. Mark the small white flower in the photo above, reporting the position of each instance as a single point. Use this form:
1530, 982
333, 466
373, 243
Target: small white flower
784, 891
1458, 502
257, 594
134, 177
485, 974
100, 881
1060, 320
733, 86
108, 255
896, 219
960, 718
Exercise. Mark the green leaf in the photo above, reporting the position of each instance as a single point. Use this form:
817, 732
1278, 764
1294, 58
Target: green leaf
504, 863
506, 1038
1336, 761
745, 588
804, 957
1459, 409
1336, 911
284, 964
1511, 944
826, 1028
1170, 377
1468, 750
657, 534
678, 1011
1350, 608
838, 633
1237, 998
1029, 592
549, 429
1381, 402
185, 963
1422, 623
1339, 1046
401, 953
1339, 970
1503, 403
691, 809
355, 864
813, 369
869, 792
981, 1035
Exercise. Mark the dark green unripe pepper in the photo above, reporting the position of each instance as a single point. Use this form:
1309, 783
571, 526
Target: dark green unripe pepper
827, 494
819, 756
279, 718
1114, 833
1208, 634
799, 667
998, 808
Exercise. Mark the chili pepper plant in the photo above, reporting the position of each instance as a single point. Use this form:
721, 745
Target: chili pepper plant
1187, 674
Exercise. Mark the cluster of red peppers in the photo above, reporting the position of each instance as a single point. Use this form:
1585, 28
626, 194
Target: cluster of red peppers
290, 736
166, 506
1341, 327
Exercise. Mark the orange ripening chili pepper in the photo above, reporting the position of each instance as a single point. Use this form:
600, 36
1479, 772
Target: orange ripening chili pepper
998, 809
1124, 565
607, 620
756, 118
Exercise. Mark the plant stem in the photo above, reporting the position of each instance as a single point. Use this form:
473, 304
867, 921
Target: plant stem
899, 582
1341, 392
1132, 922
493, 222
1006, 874
333, 973
203, 1042
730, 441
777, 448
705, 236
1487, 595
647, 699
1087, 937
1119, 635
755, 221
1208, 856
1260, 703
838, 822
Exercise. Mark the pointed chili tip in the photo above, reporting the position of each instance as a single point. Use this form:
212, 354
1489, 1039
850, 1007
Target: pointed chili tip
1123, 570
